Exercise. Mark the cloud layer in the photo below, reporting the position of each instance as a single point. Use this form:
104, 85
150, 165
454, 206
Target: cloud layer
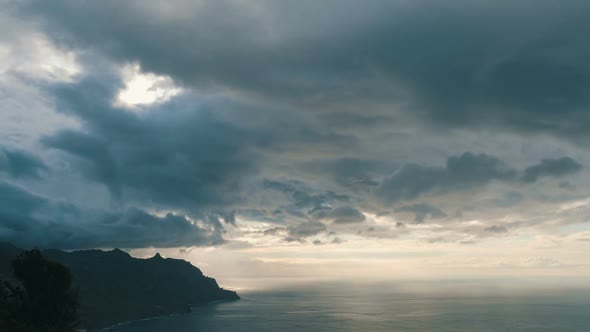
441, 122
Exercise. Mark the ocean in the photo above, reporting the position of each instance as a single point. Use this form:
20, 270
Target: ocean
385, 308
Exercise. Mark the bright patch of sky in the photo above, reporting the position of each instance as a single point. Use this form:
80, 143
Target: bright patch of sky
144, 88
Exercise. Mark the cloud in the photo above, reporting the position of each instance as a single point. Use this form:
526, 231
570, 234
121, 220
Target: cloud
173, 156
437, 57
341, 215
508, 199
20, 164
29, 220
230, 217
186, 154
274, 231
305, 229
17, 208
297, 231
551, 167
496, 229
350, 172
422, 211
337, 240
302, 197
463, 173
272, 119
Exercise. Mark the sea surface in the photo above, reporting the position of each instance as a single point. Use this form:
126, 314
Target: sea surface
385, 308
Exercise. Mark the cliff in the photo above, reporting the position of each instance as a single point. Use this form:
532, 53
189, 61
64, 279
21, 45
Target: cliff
115, 287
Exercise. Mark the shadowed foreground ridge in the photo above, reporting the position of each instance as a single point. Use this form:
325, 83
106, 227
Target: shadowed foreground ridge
115, 287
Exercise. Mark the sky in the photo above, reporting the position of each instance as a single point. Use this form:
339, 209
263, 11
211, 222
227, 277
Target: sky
301, 140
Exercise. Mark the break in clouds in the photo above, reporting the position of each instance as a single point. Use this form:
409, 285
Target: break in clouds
318, 120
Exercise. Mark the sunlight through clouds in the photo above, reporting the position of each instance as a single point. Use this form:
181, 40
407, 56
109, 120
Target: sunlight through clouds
360, 134
144, 88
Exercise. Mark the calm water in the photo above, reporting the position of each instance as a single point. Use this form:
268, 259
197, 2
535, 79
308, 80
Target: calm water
352, 308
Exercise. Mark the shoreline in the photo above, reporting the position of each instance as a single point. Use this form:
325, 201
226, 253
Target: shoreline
120, 325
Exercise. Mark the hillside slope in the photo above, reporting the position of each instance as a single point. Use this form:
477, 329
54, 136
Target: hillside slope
115, 287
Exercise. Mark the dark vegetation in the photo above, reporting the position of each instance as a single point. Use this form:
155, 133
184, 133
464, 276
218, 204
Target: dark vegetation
42, 298
115, 287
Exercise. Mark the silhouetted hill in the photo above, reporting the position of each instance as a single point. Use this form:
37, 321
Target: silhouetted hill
115, 287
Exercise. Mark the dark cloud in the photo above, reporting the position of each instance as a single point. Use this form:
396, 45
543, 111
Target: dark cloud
294, 121
97, 162
177, 156
551, 167
422, 210
509, 199
302, 196
29, 220
351, 172
465, 63
230, 217
305, 229
463, 172
20, 164
349, 119
17, 208
341, 215
138, 229
185, 160
180, 154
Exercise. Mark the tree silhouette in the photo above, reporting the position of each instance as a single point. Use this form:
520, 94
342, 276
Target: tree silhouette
45, 303
11, 301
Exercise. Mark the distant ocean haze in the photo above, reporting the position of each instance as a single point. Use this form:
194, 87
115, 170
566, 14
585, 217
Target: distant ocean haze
387, 307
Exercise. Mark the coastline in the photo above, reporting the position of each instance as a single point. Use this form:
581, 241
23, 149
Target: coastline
117, 327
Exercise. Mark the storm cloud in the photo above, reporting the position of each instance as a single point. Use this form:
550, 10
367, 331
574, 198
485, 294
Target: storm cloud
342, 215
175, 159
466, 172
422, 211
525, 73
29, 220
302, 116
20, 164
460, 173
551, 167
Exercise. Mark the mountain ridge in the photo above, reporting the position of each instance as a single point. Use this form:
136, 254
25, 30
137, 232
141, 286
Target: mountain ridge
115, 287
